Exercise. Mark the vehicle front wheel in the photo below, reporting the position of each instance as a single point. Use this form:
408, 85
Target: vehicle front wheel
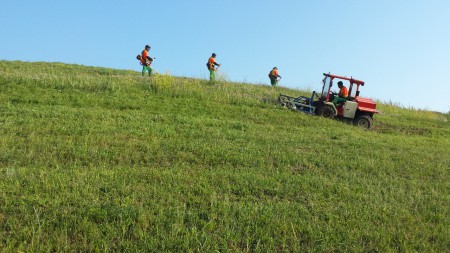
364, 121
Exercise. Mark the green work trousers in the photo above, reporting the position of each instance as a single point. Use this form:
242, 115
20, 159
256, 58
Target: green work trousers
145, 69
212, 75
338, 100
273, 81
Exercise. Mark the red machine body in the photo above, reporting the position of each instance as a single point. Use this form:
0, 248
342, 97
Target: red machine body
354, 108
357, 108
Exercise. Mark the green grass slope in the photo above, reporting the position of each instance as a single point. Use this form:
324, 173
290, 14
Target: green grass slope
95, 159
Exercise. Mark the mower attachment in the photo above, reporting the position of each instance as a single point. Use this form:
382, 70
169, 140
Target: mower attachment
300, 103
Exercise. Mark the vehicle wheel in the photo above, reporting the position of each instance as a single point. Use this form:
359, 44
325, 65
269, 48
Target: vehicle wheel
327, 111
364, 121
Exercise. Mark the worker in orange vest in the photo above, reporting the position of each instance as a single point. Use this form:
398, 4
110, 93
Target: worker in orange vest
342, 95
211, 67
273, 75
146, 61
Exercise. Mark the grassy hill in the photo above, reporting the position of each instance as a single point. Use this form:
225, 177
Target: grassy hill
95, 159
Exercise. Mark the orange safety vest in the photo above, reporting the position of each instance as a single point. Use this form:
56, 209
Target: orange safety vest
343, 92
144, 59
273, 74
211, 62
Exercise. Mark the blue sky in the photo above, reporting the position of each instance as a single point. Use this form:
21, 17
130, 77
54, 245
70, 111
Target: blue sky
401, 49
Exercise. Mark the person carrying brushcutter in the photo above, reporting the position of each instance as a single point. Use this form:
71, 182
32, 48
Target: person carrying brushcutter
273, 76
212, 67
342, 95
146, 61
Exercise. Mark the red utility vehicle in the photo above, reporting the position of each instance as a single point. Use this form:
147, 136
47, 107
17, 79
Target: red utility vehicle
355, 109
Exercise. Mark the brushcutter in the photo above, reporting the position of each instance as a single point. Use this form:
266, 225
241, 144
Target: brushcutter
217, 72
221, 77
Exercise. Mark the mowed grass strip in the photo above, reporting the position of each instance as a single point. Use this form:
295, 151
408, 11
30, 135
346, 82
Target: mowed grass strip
95, 159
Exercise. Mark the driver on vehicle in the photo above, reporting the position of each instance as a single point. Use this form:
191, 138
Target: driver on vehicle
343, 94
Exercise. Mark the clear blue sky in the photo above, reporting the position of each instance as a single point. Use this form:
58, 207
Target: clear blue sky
401, 49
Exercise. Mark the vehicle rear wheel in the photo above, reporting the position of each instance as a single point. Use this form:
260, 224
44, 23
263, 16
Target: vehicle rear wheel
327, 111
364, 121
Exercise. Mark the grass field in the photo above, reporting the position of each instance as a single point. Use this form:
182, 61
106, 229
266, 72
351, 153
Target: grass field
95, 159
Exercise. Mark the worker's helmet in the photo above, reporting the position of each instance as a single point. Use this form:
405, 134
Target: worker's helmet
340, 83
275, 68
147, 46
213, 55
